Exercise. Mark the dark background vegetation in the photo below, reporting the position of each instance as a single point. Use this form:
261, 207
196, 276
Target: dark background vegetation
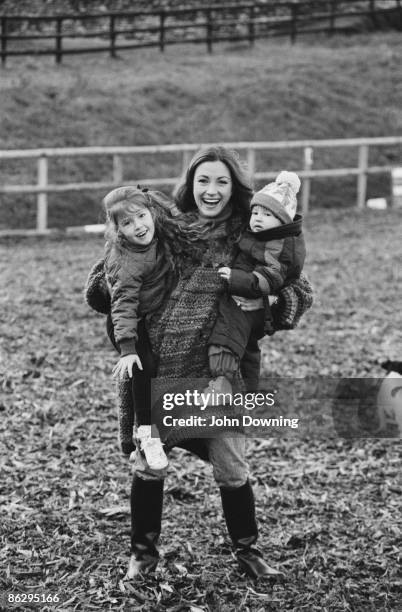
329, 508
345, 87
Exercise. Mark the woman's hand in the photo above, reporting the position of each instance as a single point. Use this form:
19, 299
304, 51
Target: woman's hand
248, 304
125, 364
225, 273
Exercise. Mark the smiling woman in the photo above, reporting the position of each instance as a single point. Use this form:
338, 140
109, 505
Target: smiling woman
213, 204
212, 188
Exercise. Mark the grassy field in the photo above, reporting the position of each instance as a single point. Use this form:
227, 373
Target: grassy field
344, 87
329, 508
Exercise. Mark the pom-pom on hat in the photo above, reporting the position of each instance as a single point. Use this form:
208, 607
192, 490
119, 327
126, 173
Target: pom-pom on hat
279, 197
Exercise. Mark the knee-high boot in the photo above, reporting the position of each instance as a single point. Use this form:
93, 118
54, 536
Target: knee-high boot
239, 511
146, 518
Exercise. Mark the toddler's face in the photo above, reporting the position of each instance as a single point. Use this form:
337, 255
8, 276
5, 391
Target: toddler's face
261, 219
137, 226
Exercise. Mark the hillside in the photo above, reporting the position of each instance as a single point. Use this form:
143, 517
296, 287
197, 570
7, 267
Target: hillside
343, 87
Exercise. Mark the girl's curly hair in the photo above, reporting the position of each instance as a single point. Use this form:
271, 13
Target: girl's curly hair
178, 241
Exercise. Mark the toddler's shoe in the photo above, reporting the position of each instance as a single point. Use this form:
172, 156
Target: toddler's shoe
220, 385
152, 448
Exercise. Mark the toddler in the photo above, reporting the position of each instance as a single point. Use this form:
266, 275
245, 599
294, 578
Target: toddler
272, 253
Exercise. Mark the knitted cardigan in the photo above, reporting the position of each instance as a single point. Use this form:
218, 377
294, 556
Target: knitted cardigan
180, 336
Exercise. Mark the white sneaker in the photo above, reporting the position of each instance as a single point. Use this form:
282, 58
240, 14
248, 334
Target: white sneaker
153, 448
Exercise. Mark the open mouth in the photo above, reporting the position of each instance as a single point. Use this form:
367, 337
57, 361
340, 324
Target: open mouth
142, 234
211, 202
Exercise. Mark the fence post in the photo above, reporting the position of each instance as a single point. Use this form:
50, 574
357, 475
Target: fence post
41, 214
162, 30
293, 31
3, 40
251, 164
59, 38
332, 17
209, 30
362, 176
112, 36
373, 13
251, 26
187, 155
306, 185
117, 170
399, 7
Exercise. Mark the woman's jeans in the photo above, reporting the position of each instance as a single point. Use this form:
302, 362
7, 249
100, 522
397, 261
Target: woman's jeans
226, 455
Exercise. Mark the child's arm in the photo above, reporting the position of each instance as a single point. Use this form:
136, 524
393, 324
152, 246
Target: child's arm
125, 291
244, 284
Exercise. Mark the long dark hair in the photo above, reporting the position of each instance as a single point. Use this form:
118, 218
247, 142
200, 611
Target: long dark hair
241, 187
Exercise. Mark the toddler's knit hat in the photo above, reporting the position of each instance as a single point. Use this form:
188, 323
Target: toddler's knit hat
279, 197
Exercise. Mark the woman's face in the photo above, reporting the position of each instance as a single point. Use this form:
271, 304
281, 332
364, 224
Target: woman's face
212, 188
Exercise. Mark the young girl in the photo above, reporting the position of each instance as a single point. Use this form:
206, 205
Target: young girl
142, 241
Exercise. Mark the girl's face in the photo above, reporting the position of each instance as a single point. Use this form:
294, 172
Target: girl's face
137, 225
212, 188
262, 219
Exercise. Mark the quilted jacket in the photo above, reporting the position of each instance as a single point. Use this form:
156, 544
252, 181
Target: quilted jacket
138, 288
268, 260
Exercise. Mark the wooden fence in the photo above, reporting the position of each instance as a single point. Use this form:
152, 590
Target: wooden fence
117, 31
43, 187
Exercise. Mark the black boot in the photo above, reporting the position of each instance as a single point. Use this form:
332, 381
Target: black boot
146, 517
239, 511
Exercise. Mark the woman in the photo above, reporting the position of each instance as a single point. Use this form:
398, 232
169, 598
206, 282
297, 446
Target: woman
215, 200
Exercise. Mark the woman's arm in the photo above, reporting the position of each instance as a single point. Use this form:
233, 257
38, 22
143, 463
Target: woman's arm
293, 301
96, 290
288, 306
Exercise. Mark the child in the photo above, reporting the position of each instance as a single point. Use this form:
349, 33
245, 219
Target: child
272, 253
141, 235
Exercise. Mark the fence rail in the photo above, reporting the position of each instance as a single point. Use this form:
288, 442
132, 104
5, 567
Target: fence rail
211, 24
43, 187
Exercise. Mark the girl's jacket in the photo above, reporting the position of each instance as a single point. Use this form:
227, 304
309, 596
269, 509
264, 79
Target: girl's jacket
138, 287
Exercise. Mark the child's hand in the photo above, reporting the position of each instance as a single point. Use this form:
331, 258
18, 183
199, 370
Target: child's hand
225, 273
125, 364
